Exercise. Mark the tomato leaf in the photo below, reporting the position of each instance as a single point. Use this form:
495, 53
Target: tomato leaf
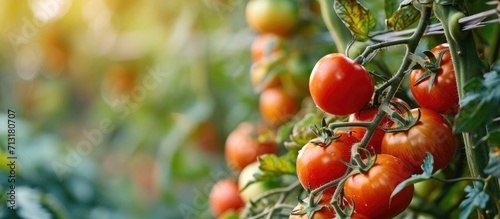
284, 132
427, 167
475, 197
390, 6
357, 19
493, 167
272, 165
481, 102
403, 18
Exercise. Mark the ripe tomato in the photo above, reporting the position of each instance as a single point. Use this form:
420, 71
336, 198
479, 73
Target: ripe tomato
319, 164
443, 97
367, 115
266, 45
340, 86
327, 212
242, 147
258, 78
256, 189
272, 16
225, 196
432, 134
276, 106
371, 191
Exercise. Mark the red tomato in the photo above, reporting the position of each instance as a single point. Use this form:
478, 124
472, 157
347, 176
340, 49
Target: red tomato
271, 16
340, 86
258, 78
266, 45
367, 115
371, 191
225, 196
320, 164
276, 106
443, 97
242, 147
432, 134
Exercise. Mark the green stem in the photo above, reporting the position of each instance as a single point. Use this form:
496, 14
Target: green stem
395, 82
339, 32
467, 65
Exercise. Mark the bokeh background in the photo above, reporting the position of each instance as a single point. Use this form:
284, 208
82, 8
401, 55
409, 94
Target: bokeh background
122, 107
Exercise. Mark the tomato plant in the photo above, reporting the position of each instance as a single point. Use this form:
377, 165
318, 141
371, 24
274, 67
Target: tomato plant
225, 196
340, 86
368, 115
319, 163
371, 191
269, 16
441, 95
265, 46
432, 133
243, 148
277, 106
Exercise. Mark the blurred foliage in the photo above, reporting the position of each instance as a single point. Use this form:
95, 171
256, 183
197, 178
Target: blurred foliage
122, 107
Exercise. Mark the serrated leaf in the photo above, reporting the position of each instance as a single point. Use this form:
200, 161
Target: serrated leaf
481, 102
493, 167
475, 198
272, 165
390, 6
357, 19
427, 168
403, 18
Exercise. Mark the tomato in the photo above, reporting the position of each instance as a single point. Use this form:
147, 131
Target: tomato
327, 212
443, 96
259, 80
319, 164
266, 45
367, 115
277, 106
340, 86
272, 16
242, 147
225, 196
256, 189
432, 134
371, 191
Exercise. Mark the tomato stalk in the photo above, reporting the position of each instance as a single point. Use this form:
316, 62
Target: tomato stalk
467, 65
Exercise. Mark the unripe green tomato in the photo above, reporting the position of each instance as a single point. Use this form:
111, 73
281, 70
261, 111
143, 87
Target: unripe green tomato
256, 189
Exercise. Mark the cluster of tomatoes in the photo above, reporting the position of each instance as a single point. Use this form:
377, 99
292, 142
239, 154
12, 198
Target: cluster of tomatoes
341, 87
271, 76
400, 152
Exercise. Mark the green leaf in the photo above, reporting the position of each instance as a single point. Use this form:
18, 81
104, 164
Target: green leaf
427, 167
357, 19
481, 102
284, 132
403, 18
272, 165
390, 6
493, 167
475, 197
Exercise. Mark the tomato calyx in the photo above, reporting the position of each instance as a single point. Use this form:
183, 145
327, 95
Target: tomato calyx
404, 124
360, 165
433, 66
325, 135
309, 207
